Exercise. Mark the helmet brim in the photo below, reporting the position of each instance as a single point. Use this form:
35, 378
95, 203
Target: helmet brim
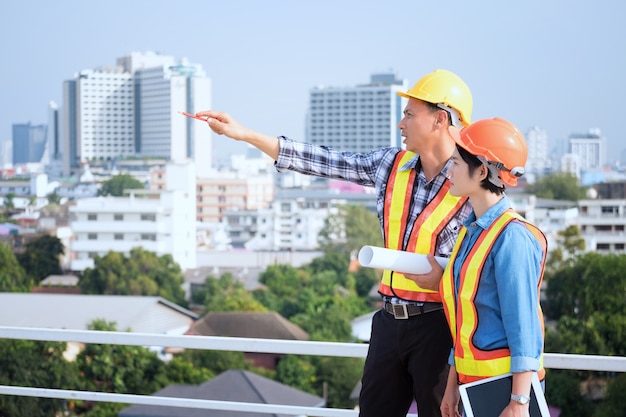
455, 132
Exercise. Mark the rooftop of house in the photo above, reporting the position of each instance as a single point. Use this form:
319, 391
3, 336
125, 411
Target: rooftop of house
270, 325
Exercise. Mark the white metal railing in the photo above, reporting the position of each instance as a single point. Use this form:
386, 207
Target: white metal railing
357, 350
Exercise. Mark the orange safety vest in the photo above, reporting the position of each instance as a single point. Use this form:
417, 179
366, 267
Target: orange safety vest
472, 363
423, 239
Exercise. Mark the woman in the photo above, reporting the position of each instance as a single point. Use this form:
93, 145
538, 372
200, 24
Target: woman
491, 284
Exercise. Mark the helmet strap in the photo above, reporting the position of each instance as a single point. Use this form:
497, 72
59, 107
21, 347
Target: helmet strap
455, 116
494, 171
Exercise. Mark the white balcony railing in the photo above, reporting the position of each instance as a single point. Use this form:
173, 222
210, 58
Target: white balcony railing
357, 350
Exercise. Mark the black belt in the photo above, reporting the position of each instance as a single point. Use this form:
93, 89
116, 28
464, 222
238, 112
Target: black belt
404, 311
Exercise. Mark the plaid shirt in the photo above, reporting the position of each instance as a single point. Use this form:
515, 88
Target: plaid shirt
370, 169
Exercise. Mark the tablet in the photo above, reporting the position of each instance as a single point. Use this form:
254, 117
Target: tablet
488, 397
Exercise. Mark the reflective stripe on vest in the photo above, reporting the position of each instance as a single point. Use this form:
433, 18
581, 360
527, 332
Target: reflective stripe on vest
423, 233
472, 363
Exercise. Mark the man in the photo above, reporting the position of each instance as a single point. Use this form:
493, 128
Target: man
410, 339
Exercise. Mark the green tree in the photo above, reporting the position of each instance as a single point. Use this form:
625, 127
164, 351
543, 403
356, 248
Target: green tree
41, 257
339, 376
585, 297
214, 361
141, 273
227, 294
119, 369
558, 186
9, 204
365, 279
297, 372
34, 364
181, 371
592, 283
13, 278
563, 391
348, 230
54, 198
283, 285
116, 185
614, 403
569, 244
331, 261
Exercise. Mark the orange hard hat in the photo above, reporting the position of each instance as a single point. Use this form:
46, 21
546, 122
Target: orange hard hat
499, 144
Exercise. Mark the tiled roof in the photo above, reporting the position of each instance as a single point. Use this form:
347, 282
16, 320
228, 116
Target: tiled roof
233, 385
255, 325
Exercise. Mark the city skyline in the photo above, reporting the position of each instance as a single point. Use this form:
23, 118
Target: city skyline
556, 65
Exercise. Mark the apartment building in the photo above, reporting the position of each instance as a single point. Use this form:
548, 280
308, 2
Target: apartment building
249, 186
293, 221
162, 222
357, 118
602, 224
131, 109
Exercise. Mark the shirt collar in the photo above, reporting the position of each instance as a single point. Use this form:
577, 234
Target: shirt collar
414, 163
490, 215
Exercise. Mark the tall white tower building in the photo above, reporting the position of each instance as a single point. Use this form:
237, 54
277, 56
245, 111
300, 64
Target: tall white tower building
359, 118
590, 148
538, 162
131, 109
53, 157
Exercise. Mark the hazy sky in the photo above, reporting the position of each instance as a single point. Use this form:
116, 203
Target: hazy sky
556, 64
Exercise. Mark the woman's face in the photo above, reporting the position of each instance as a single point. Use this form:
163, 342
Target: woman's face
461, 182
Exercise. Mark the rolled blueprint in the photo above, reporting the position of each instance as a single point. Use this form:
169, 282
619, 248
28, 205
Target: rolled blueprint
397, 260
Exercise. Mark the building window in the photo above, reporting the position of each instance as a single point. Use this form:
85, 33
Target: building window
148, 236
92, 236
118, 217
92, 217
147, 217
118, 236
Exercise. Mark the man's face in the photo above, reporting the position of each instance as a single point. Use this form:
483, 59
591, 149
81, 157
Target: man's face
417, 125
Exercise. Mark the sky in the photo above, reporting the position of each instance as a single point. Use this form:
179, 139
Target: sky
559, 65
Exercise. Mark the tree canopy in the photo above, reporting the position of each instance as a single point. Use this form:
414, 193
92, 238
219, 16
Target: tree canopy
116, 185
585, 305
558, 186
226, 294
352, 227
41, 257
141, 273
34, 364
13, 278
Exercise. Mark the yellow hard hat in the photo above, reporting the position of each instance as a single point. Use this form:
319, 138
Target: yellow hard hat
447, 90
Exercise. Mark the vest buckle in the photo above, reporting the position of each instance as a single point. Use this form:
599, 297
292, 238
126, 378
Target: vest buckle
400, 312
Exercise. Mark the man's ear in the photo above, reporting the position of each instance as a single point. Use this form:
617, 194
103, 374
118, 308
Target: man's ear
442, 118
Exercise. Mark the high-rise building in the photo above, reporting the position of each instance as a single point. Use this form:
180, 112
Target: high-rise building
131, 109
538, 162
29, 142
53, 158
590, 148
358, 118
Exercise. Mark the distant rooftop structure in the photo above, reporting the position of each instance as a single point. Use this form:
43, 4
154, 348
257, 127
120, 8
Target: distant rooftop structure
269, 325
141, 314
232, 385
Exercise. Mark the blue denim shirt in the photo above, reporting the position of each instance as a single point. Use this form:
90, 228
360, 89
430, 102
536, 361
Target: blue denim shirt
507, 297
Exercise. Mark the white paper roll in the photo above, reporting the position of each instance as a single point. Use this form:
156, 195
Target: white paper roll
397, 260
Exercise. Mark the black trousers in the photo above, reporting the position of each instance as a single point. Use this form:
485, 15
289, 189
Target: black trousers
406, 360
